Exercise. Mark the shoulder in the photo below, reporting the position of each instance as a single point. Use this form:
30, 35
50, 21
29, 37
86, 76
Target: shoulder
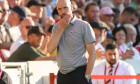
99, 66
125, 65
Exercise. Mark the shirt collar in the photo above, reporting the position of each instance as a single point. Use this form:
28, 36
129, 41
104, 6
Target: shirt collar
73, 21
108, 65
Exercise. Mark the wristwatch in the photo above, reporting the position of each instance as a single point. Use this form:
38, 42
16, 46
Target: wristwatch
88, 77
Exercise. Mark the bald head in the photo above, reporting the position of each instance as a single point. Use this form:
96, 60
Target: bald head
25, 27
64, 7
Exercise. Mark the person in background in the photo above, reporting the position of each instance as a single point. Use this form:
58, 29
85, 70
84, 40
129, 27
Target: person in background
120, 38
113, 66
127, 3
107, 16
78, 13
30, 51
92, 12
5, 38
25, 26
36, 7
100, 30
72, 37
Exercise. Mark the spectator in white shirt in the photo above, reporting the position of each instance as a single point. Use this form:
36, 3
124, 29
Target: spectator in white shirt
25, 26
119, 68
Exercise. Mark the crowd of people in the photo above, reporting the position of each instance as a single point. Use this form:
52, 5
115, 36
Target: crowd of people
73, 32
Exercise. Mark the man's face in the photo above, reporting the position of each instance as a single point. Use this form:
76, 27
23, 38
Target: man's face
93, 13
112, 56
38, 10
14, 16
100, 34
131, 35
64, 8
129, 18
35, 40
5, 9
26, 25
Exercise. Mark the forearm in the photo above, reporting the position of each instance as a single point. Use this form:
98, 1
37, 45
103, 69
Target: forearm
91, 59
53, 43
5, 46
46, 58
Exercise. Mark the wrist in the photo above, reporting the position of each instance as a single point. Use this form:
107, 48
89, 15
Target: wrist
88, 77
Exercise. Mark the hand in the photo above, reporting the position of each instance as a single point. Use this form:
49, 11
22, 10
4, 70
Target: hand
99, 54
128, 54
65, 21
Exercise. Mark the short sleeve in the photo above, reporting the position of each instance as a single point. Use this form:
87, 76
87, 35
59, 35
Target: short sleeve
89, 35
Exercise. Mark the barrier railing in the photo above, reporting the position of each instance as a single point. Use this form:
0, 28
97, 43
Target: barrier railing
52, 77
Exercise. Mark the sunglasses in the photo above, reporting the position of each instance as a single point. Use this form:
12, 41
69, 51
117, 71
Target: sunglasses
29, 27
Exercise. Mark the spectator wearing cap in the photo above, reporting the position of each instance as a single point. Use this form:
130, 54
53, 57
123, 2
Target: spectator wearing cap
18, 14
37, 8
107, 16
30, 50
25, 26
100, 30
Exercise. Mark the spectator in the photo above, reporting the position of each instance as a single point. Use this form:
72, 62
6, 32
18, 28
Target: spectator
75, 7
92, 12
25, 26
78, 14
56, 15
100, 30
5, 39
107, 16
37, 8
29, 50
127, 3
120, 37
18, 14
116, 16
129, 15
113, 66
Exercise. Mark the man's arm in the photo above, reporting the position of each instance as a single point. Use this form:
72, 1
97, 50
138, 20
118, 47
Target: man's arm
53, 43
90, 47
41, 58
5, 45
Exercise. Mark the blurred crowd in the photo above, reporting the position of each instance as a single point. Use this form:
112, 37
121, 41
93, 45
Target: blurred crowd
113, 21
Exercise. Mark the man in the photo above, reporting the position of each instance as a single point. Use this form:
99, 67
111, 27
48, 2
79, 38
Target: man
107, 16
129, 15
100, 30
92, 12
72, 37
5, 39
113, 66
29, 50
18, 14
25, 26
36, 7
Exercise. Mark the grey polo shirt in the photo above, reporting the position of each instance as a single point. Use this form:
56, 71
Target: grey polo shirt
72, 45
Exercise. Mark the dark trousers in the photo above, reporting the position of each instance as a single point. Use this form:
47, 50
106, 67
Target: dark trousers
77, 76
